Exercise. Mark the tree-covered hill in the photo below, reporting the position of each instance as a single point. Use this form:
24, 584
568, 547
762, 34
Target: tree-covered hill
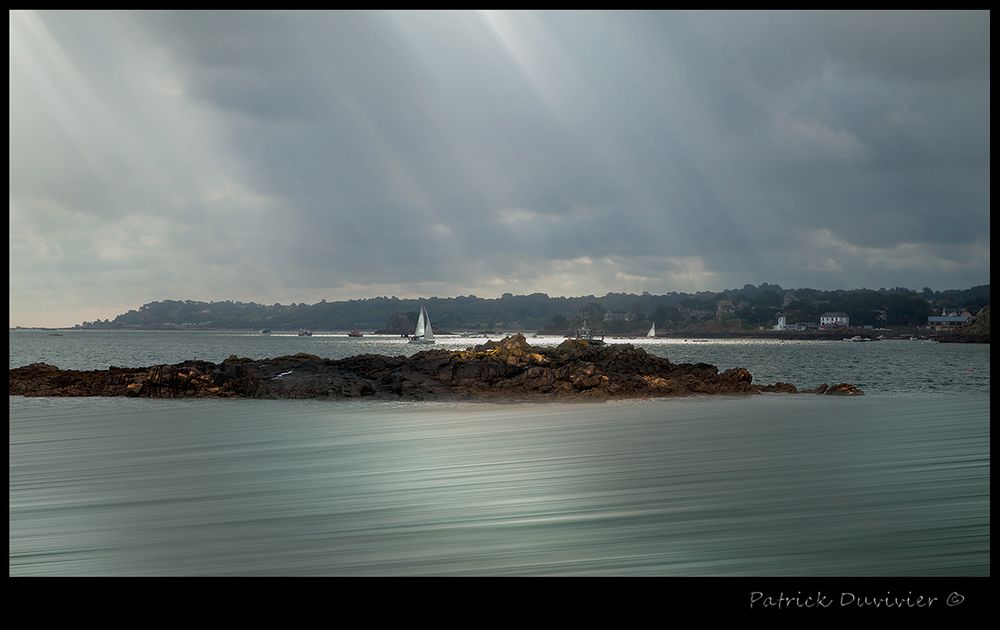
733, 309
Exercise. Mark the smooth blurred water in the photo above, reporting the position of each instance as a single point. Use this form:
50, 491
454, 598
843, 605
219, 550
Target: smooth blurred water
768, 485
892, 483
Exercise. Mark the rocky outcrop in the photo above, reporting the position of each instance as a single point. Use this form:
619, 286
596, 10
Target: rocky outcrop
507, 369
784, 388
843, 389
976, 331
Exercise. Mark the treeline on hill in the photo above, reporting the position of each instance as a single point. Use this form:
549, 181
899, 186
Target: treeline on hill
734, 309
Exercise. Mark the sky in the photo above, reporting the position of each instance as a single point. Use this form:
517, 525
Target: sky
299, 156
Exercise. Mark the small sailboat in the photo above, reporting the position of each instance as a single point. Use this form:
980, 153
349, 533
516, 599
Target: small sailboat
652, 330
423, 333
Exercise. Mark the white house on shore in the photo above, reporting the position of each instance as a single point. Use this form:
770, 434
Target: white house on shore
834, 319
784, 325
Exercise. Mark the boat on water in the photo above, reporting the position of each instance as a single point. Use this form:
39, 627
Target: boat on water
266, 331
652, 331
305, 333
423, 333
856, 338
584, 333
355, 333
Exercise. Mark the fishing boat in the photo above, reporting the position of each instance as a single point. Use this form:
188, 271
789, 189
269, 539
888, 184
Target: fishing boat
355, 333
305, 333
266, 331
583, 332
423, 333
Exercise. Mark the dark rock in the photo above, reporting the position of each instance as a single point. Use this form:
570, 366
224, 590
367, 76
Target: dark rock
975, 331
963, 338
779, 387
508, 369
844, 389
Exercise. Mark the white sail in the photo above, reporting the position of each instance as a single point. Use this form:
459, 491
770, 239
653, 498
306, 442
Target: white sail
419, 332
652, 330
428, 331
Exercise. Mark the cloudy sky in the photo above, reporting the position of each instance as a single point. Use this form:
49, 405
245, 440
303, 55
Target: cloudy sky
279, 157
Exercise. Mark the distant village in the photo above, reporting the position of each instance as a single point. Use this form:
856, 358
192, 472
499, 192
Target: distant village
835, 320
766, 308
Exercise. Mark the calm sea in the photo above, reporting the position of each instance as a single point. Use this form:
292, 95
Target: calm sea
892, 483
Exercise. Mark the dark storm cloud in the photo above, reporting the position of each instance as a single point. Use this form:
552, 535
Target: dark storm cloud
280, 156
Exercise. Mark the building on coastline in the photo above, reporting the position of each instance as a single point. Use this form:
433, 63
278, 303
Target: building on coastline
948, 318
784, 325
945, 322
834, 319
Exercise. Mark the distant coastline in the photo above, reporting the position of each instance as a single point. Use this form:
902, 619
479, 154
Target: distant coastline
751, 309
837, 335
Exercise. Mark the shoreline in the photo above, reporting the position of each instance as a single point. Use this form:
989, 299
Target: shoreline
887, 335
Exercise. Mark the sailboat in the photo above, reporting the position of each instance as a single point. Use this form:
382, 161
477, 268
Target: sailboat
652, 330
424, 333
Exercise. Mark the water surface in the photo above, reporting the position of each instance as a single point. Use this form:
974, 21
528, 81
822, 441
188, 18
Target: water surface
767, 485
892, 483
